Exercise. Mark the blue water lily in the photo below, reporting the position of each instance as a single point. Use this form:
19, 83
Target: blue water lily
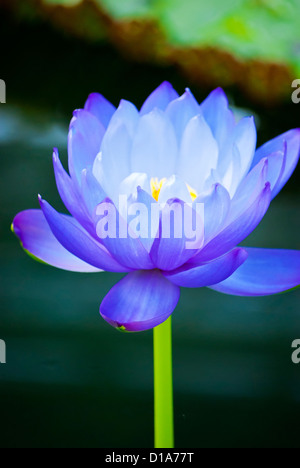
171, 151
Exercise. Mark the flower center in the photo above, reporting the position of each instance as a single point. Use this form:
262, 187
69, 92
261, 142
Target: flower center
193, 192
156, 186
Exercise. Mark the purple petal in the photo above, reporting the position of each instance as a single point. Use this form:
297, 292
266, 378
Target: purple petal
216, 210
92, 192
113, 163
179, 239
140, 301
218, 115
181, 111
126, 114
237, 154
77, 241
191, 276
37, 239
232, 174
198, 153
245, 139
85, 137
265, 272
276, 169
174, 187
119, 239
69, 194
292, 141
128, 186
160, 98
250, 188
238, 229
155, 146
100, 108
147, 223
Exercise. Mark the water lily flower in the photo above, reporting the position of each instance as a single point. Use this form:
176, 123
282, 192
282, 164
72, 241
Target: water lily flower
171, 151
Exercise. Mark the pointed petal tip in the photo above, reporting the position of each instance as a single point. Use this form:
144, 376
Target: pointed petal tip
217, 99
219, 92
15, 229
160, 97
38, 241
166, 84
135, 326
107, 200
56, 160
242, 254
217, 187
124, 102
15, 224
267, 187
175, 200
140, 190
94, 95
80, 114
76, 113
187, 93
43, 203
102, 109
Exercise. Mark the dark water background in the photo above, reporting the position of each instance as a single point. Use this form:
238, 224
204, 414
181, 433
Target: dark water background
70, 379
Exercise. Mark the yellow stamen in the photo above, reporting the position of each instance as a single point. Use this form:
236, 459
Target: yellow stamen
156, 186
193, 192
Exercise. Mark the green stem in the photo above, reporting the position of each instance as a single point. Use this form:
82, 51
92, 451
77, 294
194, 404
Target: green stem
163, 386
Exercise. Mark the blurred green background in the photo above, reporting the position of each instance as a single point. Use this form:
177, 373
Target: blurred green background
70, 379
